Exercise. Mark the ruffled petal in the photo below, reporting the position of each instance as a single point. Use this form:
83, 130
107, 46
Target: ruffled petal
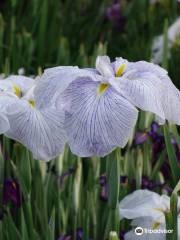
95, 124
143, 90
143, 203
169, 94
41, 131
103, 65
170, 98
5, 101
54, 81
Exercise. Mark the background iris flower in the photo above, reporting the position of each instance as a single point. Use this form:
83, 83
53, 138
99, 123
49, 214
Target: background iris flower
147, 209
157, 47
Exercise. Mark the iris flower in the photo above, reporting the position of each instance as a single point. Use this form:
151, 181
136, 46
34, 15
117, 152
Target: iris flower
16, 84
147, 209
13, 86
100, 104
39, 128
173, 34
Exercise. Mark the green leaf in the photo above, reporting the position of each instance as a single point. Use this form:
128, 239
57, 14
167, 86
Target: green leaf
173, 209
175, 169
114, 180
24, 231
11, 228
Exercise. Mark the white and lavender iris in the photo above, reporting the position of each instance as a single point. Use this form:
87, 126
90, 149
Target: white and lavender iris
95, 108
100, 104
39, 128
147, 209
98, 118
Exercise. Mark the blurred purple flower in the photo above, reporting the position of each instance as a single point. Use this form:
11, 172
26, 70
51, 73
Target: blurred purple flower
12, 193
145, 184
104, 188
113, 14
150, 184
140, 138
65, 174
178, 155
153, 133
79, 235
122, 234
157, 138
65, 237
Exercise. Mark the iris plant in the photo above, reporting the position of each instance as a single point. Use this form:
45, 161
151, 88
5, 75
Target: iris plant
93, 110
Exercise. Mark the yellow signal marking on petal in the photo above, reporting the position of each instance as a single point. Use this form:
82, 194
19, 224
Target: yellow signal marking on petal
159, 210
102, 88
32, 103
156, 225
120, 70
17, 90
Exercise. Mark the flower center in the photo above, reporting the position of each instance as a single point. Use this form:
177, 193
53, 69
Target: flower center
120, 70
156, 225
17, 90
102, 88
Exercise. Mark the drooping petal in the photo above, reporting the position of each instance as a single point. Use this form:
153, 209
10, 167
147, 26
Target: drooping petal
95, 124
143, 203
5, 100
103, 65
169, 94
170, 98
143, 90
41, 131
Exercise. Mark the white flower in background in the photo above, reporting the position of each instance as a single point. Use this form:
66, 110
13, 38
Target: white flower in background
147, 209
157, 47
